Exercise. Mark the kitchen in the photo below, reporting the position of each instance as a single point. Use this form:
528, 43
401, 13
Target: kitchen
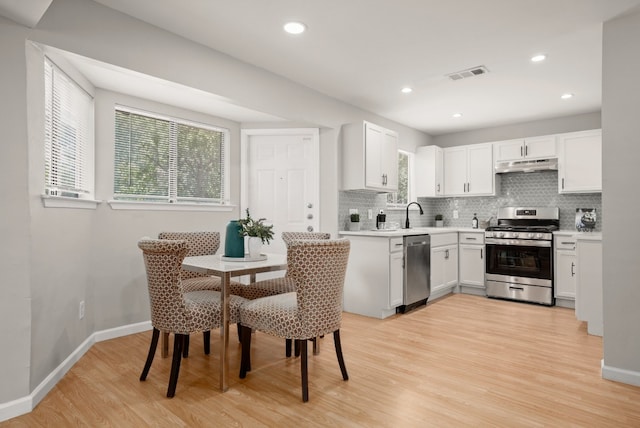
36, 255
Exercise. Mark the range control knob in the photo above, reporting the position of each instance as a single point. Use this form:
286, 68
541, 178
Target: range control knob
539, 235
516, 234
531, 235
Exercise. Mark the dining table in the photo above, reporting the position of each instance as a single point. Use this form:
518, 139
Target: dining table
225, 268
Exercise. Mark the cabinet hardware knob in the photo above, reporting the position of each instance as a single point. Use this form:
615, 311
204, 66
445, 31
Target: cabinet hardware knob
572, 271
309, 205
309, 216
309, 228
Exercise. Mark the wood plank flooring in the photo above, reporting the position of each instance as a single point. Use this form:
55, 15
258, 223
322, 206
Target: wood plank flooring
461, 361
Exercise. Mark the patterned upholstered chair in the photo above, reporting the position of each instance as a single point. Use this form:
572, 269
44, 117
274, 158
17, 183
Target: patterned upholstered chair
200, 244
175, 310
318, 270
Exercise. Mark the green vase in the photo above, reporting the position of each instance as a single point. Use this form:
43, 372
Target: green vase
233, 242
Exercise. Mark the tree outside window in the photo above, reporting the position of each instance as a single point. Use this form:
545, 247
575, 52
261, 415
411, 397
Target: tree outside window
403, 195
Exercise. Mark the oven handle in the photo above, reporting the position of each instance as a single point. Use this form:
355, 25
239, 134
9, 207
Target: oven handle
518, 242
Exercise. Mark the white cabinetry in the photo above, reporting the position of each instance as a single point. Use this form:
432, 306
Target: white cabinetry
589, 283
565, 269
429, 174
580, 162
525, 148
373, 285
444, 264
369, 157
468, 170
472, 262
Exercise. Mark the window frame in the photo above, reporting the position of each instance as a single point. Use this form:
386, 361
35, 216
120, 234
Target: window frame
172, 202
410, 184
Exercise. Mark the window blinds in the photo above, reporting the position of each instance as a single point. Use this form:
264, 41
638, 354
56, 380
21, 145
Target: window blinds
68, 136
167, 159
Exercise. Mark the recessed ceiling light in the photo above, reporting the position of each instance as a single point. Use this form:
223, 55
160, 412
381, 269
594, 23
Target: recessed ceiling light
538, 58
407, 90
456, 115
294, 27
566, 96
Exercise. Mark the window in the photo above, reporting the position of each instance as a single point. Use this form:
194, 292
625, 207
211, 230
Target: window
405, 188
68, 136
164, 159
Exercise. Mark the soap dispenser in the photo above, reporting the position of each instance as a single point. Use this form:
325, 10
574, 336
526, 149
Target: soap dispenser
474, 222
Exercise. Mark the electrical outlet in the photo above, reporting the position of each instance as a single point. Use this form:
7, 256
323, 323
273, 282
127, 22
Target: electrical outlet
455, 213
81, 310
370, 214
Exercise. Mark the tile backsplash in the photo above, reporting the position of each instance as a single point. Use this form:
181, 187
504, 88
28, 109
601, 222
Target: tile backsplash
539, 189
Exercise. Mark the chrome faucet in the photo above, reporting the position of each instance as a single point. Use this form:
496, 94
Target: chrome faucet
406, 222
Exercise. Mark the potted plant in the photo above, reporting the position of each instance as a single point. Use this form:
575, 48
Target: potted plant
439, 220
258, 233
355, 221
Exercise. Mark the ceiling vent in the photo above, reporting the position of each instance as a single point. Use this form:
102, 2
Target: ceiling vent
470, 72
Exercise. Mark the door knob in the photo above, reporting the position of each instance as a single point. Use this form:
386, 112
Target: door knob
309, 205
309, 228
309, 216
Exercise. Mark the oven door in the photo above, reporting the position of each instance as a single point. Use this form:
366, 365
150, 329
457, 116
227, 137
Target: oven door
519, 258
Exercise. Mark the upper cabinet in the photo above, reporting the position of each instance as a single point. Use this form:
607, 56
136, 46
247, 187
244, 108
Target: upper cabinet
525, 148
468, 170
429, 173
580, 162
370, 157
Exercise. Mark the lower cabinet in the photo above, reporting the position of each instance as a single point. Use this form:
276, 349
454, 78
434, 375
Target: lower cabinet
444, 264
589, 284
565, 270
472, 263
373, 284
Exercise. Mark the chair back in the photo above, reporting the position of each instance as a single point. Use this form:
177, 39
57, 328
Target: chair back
199, 244
318, 268
163, 262
289, 237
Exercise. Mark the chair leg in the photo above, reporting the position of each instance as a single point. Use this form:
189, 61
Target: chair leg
178, 344
239, 328
316, 345
304, 373
165, 344
206, 336
343, 368
287, 347
152, 352
245, 361
185, 346
296, 346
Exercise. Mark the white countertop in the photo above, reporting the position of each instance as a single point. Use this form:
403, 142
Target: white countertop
407, 232
585, 236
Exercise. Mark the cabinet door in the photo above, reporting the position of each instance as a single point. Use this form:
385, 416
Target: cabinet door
451, 265
540, 147
396, 273
565, 279
428, 171
472, 265
374, 143
455, 171
438, 267
480, 175
580, 162
589, 285
389, 160
509, 150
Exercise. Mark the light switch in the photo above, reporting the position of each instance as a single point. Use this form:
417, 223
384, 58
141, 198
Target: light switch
455, 213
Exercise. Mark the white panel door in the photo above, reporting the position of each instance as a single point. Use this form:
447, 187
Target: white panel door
281, 180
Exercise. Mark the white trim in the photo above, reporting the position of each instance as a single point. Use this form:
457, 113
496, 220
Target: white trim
167, 206
65, 202
26, 404
620, 375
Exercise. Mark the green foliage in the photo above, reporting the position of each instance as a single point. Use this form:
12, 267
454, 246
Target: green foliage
355, 218
256, 228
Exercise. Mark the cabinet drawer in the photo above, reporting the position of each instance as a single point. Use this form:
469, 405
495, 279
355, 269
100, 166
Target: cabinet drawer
565, 243
395, 244
471, 238
444, 239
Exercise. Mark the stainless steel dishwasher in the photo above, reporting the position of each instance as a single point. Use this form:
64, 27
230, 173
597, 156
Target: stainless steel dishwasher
417, 271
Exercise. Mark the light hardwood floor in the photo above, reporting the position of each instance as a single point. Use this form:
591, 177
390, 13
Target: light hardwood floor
461, 361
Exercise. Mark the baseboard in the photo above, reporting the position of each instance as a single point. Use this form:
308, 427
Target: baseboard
26, 404
620, 375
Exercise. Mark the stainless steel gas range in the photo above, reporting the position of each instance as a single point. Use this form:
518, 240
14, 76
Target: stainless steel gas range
519, 260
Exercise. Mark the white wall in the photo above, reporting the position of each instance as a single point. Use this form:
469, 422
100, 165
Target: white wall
535, 128
62, 256
621, 175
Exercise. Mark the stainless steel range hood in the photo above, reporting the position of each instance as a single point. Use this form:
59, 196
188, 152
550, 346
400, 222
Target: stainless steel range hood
526, 165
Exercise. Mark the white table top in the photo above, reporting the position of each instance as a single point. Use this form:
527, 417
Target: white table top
213, 265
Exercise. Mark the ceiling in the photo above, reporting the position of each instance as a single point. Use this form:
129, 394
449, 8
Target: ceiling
364, 51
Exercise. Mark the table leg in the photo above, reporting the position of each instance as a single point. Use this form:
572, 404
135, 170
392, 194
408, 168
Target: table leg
224, 331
